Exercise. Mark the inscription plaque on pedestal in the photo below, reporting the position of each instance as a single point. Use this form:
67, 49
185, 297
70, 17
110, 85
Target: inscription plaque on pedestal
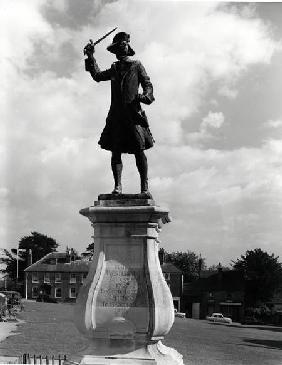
122, 287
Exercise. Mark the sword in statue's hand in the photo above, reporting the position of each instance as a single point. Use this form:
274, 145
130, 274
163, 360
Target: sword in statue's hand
89, 48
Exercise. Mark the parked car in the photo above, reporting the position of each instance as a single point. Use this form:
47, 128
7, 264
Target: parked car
219, 318
13, 305
13, 298
12, 295
179, 314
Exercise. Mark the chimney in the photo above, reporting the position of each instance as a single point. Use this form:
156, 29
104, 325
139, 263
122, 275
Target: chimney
68, 252
162, 256
72, 255
219, 276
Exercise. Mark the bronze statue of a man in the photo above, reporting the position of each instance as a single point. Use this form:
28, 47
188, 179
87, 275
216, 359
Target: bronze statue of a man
127, 129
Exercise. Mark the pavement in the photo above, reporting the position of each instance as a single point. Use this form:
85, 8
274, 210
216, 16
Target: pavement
7, 329
205, 343
48, 329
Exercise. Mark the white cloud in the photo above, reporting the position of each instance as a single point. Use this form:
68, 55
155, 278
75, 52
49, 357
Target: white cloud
184, 49
228, 201
53, 123
228, 91
273, 124
208, 129
272, 129
21, 24
214, 120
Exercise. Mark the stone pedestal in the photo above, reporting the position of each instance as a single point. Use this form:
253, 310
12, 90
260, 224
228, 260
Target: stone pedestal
125, 306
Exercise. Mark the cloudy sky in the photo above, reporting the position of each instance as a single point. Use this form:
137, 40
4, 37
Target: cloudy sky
217, 120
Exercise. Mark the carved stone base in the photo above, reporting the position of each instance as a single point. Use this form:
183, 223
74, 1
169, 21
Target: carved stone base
152, 354
125, 306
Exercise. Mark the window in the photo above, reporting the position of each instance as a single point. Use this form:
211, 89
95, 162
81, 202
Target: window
72, 292
35, 277
72, 278
61, 260
58, 292
83, 277
34, 293
167, 276
58, 277
47, 277
51, 261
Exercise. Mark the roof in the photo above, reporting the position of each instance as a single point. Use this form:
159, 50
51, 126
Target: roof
56, 255
168, 267
207, 273
73, 266
78, 265
230, 280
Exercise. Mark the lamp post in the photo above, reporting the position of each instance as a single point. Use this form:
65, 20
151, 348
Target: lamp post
18, 258
19, 250
29, 262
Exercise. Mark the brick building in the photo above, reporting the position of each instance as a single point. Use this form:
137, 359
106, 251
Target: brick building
216, 291
60, 275
174, 279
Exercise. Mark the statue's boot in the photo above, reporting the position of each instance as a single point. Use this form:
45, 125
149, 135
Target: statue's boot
117, 170
142, 166
144, 185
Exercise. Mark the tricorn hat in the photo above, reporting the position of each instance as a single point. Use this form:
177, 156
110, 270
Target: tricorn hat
120, 37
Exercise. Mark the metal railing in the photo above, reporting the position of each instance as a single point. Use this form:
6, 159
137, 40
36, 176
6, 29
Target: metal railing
43, 360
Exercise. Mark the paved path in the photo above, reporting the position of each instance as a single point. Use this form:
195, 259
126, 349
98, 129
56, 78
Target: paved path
49, 330
205, 343
7, 329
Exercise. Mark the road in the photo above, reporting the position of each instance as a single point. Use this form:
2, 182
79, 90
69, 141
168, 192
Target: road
48, 329
205, 343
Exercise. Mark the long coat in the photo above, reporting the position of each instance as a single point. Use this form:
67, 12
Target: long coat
127, 129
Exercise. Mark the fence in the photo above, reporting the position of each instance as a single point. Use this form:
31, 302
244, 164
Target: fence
43, 360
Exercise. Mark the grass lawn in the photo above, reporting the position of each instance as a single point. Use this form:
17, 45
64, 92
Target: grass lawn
46, 329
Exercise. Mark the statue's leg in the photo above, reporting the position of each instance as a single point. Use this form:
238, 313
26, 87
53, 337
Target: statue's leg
116, 164
142, 166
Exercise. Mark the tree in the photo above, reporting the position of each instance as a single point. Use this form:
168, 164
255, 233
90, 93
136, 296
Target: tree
263, 275
39, 244
89, 252
188, 262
